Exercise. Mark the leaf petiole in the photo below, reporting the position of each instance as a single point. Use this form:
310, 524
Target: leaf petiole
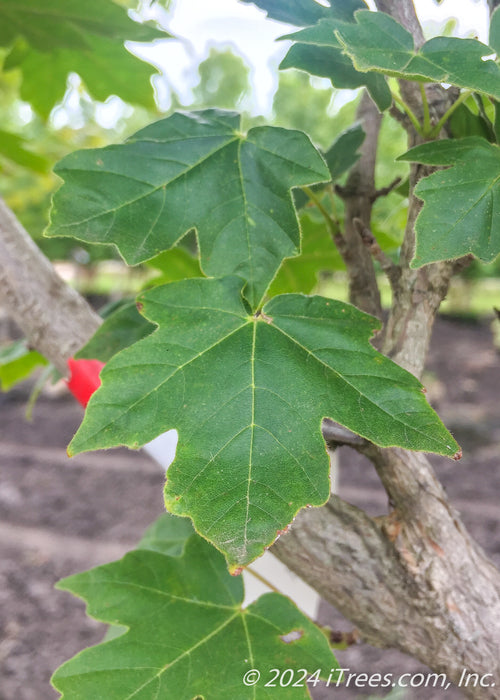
263, 580
268, 583
408, 111
330, 220
434, 133
425, 104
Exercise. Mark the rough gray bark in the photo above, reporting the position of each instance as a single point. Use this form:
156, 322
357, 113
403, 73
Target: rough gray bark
417, 296
56, 320
358, 195
413, 580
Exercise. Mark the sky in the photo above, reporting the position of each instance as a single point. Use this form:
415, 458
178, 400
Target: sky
200, 24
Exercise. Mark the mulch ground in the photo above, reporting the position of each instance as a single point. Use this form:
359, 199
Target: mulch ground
60, 516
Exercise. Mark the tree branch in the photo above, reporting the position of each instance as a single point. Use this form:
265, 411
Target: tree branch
384, 191
391, 270
413, 579
56, 320
336, 435
493, 4
358, 195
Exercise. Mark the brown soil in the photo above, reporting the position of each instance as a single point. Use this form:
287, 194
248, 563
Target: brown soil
60, 516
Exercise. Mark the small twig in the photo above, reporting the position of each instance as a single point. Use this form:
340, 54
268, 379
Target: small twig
341, 191
384, 191
336, 435
391, 269
399, 116
340, 639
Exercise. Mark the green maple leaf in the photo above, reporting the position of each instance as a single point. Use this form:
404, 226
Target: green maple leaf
13, 147
300, 274
175, 264
167, 535
344, 151
494, 34
123, 326
340, 157
193, 171
317, 50
17, 362
461, 204
247, 395
106, 68
303, 12
49, 40
66, 23
187, 635
378, 43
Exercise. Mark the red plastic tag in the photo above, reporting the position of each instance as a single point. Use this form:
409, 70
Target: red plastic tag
84, 378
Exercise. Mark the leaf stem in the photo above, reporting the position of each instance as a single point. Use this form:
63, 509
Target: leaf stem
487, 123
427, 117
333, 203
263, 580
37, 389
399, 100
331, 222
267, 583
434, 133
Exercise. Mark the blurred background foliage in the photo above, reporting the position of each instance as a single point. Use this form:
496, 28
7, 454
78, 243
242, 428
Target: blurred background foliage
32, 139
